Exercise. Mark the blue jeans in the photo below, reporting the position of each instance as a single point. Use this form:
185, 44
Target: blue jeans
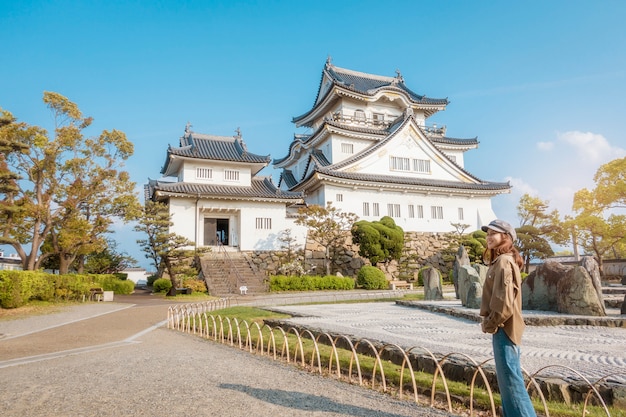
515, 399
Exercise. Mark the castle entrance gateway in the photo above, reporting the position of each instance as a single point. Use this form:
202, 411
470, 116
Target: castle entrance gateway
219, 227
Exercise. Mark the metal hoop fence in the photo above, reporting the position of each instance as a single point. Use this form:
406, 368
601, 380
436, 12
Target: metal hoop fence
274, 341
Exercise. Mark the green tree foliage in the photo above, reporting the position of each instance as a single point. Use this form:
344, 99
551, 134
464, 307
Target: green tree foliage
109, 261
326, 226
71, 187
595, 229
379, 241
610, 179
166, 250
537, 227
475, 244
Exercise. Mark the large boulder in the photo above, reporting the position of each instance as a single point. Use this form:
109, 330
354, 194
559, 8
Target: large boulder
471, 276
432, 284
460, 259
592, 267
565, 289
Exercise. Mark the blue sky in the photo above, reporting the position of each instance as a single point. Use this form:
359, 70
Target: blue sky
542, 84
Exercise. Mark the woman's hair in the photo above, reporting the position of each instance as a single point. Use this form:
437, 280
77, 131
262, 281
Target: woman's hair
505, 247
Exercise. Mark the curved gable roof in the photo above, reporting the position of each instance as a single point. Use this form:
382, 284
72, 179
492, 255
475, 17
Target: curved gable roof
365, 84
212, 147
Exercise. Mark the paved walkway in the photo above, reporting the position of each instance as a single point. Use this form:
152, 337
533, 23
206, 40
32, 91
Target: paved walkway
116, 359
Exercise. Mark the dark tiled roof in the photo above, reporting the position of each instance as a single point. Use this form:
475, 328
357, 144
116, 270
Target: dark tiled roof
262, 187
454, 141
369, 84
419, 182
221, 148
287, 177
307, 138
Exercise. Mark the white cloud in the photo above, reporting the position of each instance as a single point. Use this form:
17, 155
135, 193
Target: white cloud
545, 146
591, 147
520, 187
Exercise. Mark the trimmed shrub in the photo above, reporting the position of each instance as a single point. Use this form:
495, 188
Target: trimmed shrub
111, 282
310, 283
371, 278
162, 285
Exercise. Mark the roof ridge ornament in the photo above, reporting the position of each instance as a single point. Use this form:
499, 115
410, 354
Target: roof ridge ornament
399, 78
188, 127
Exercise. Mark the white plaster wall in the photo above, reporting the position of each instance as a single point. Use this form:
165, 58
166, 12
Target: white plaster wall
477, 211
266, 239
242, 222
183, 214
189, 173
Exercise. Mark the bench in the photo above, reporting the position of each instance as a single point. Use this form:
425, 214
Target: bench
96, 294
398, 284
183, 291
243, 290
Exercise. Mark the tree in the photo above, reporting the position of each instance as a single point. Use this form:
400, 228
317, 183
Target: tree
379, 241
591, 230
109, 261
165, 249
71, 187
536, 223
610, 179
326, 226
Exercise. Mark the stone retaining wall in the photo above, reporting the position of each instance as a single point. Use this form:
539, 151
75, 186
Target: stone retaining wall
420, 249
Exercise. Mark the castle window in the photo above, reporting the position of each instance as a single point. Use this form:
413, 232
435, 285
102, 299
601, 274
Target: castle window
378, 118
421, 165
204, 173
366, 209
263, 223
411, 211
420, 212
460, 213
231, 175
347, 148
398, 163
339, 197
436, 212
359, 116
393, 210
375, 210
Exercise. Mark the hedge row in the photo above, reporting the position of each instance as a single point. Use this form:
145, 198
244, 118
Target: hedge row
19, 287
310, 283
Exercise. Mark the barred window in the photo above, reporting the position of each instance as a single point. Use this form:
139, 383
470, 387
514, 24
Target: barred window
204, 173
339, 197
347, 148
420, 212
375, 210
436, 212
421, 165
263, 223
411, 211
231, 175
398, 163
393, 210
460, 213
366, 209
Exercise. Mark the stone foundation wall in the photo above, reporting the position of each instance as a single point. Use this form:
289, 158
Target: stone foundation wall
420, 249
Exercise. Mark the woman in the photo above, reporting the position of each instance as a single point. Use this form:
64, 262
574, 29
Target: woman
501, 309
